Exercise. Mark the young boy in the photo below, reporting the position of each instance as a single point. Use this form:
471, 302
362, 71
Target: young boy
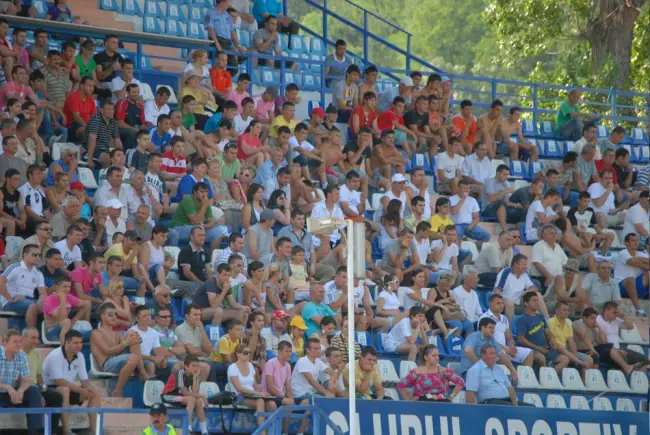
404, 334
298, 288
57, 307
444, 255
156, 183
243, 120
188, 104
303, 151
87, 281
225, 351
241, 91
332, 159
229, 112
265, 110
174, 166
291, 95
331, 115
334, 382
315, 120
138, 157
182, 388
160, 137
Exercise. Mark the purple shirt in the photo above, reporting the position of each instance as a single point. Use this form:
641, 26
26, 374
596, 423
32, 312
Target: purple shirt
279, 373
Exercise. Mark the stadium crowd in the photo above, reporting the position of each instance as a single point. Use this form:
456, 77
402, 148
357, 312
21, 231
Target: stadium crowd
231, 179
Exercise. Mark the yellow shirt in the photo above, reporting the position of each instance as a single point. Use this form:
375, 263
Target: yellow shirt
117, 250
360, 376
560, 334
280, 121
226, 347
35, 365
300, 350
438, 223
197, 94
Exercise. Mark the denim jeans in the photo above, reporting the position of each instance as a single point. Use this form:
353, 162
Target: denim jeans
183, 233
573, 129
476, 233
464, 327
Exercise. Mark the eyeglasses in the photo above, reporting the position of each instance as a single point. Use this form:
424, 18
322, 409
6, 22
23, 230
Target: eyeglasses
167, 295
34, 254
168, 316
246, 352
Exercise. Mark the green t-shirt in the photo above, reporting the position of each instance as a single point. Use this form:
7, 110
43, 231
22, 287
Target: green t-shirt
85, 70
563, 115
188, 206
228, 172
189, 120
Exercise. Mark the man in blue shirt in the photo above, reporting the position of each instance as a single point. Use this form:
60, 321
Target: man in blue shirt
315, 310
160, 136
487, 383
264, 8
218, 24
476, 340
533, 333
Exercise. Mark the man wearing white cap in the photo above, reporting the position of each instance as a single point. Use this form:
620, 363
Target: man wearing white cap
115, 223
403, 90
114, 190
397, 191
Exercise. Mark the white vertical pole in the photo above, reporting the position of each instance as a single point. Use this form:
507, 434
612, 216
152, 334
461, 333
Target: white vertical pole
351, 355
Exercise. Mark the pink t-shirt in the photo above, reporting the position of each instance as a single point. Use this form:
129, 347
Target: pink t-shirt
263, 109
237, 97
23, 58
88, 283
279, 373
10, 90
251, 141
52, 302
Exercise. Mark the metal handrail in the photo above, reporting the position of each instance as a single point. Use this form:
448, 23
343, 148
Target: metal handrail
286, 412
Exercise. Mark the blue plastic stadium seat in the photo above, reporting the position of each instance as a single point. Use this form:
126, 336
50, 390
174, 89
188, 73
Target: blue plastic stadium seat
203, 3
131, 7
552, 149
602, 132
284, 42
173, 27
534, 168
316, 67
145, 62
639, 136
269, 76
380, 346
419, 161
311, 104
310, 81
195, 30
298, 44
317, 46
105, 5
151, 25
214, 332
518, 169
292, 77
196, 14
175, 11
528, 127
244, 37
569, 145
377, 252
408, 165
546, 129
454, 345
364, 338
431, 169
153, 8
642, 154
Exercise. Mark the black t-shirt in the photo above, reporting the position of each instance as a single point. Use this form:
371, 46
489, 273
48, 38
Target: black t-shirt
353, 147
201, 296
413, 118
10, 202
196, 261
86, 247
621, 175
588, 218
106, 62
50, 277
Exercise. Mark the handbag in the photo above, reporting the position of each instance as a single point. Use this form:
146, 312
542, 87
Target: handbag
221, 399
455, 313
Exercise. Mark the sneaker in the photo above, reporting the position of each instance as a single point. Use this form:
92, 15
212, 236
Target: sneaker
451, 331
641, 313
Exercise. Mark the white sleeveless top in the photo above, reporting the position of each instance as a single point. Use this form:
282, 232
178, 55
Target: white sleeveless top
156, 256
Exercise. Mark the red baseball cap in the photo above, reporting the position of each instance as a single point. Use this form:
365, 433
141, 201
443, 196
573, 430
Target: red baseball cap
279, 314
77, 185
318, 112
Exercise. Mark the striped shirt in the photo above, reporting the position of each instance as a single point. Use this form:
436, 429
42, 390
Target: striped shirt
643, 176
223, 256
57, 85
104, 131
22, 281
173, 165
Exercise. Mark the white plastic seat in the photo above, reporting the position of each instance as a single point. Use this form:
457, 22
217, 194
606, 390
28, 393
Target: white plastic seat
602, 404
639, 382
533, 399
616, 381
94, 370
387, 371
578, 402
555, 401
208, 389
405, 367
594, 380
152, 393
147, 92
174, 251
548, 379
624, 404
44, 336
87, 178
12, 248
172, 97
460, 398
392, 393
632, 336
526, 377
571, 379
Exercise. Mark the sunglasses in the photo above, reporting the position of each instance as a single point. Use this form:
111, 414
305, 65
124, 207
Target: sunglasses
246, 352
167, 295
111, 314
46, 229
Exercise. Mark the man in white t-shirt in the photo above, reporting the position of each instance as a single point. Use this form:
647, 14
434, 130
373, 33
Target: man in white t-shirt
156, 107
444, 255
540, 213
330, 209
397, 191
307, 371
62, 368
153, 354
404, 334
465, 214
351, 199
603, 201
336, 297
637, 219
512, 282
612, 320
69, 248
477, 168
119, 83
18, 284
467, 298
448, 168
631, 269
548, 257
503, 334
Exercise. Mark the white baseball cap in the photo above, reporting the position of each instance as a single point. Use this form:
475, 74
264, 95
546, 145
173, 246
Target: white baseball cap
407, 81
114, 203
398, 178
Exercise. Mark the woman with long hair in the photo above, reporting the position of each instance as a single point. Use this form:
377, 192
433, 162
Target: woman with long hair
122, 304
279, 204
254, 340
388, 304
430, 381
199, 62
253, 208
391, 223
249, 145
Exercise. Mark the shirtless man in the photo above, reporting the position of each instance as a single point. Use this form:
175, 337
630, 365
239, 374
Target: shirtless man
302, 196
436, 122
580, 248
522, 149
489, 125
384, 158
329, 171
369, 85
108, 348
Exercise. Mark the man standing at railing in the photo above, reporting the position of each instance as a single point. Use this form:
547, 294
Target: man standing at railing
218, 24
158, 426
568, 123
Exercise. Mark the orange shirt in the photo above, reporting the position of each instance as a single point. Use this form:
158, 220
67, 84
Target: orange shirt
221, 80
435, 121
459, 123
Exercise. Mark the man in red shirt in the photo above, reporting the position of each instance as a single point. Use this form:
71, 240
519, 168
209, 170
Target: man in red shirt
221, 79
465, 124
129, 113
79, 106
606, 163
392, 119
365, 115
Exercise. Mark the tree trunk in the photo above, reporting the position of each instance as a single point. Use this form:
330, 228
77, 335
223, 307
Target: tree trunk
610, 34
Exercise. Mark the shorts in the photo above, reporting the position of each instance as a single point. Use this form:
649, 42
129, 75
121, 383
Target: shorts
75, 398
522, 354
524, 154
20, 306
153, 270
400, 137
641, 290
301, 160
551, 356
389, 343
53, 333
72, 132
491, 209
115, 364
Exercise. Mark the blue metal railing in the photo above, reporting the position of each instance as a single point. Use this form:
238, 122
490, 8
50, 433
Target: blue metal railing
273, 424
47, 415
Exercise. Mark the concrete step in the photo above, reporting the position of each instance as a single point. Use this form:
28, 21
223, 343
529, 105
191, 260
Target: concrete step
111, 431
117, 402
126, 421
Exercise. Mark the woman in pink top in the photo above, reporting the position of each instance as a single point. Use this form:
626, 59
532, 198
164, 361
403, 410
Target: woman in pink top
431, 382
249, 146
57, 307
